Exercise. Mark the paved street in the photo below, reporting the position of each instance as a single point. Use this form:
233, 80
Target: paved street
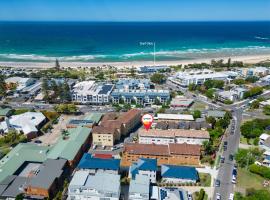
225, 170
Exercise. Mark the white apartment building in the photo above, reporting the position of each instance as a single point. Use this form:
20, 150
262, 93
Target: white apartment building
145, 167
100, 186
197, 77
20, 82
90, 92
178, 136
139, 188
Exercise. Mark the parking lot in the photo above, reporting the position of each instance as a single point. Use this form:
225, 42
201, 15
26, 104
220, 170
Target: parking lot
53, 135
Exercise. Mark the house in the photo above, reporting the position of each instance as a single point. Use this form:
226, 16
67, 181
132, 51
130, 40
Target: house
216, 113
178, 136
139, 188
153, 69
28, 123
232, 95
48, 179
98, 186
266, 161
179, 174
145, 167
35, 179
5, 112
178, 117
19, 83
162, 193
179, 154
180, 102
94, 164
90, 92
263, 137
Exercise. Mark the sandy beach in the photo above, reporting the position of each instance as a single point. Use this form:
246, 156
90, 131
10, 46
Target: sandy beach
251, 59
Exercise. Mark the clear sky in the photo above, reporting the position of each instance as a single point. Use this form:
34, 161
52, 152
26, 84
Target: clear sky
134, 10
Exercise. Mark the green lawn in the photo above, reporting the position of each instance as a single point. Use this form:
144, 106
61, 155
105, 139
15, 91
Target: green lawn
205, 179
20, 111
247, 179
198, 106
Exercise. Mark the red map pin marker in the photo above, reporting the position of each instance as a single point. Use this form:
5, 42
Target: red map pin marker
147, 121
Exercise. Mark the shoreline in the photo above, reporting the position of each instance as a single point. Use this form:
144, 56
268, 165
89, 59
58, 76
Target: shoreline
250, 59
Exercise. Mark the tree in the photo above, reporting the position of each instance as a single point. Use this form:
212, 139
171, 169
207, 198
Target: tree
244, 158
239, 81
100, 76
255, 104
133, 72
45, 89
19, 196
196, 114
253, 92
65, 94
229, 63
66, 108
3, 88
192, 87
57, 65
208, 147
210, 93
266, 109
251, 79
158, 78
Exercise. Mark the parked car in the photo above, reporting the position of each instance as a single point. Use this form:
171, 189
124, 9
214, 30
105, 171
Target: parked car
218, 196
217, 183
231, 196
222, 159
231, 157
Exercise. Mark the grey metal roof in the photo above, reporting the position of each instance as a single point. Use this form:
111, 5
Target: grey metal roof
16, 187
47, 173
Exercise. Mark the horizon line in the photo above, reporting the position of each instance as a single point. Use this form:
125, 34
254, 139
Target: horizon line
134, 21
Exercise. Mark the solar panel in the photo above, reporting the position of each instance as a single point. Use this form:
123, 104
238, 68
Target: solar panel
105, 89
181, 195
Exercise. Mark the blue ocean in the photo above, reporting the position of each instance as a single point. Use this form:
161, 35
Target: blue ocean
130, 41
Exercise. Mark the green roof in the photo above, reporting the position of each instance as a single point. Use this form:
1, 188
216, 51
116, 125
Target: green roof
23, 152
96, 117
4, 111
68, 148
30, 152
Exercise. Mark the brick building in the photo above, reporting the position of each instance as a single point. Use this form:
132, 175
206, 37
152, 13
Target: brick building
113, 126
173, 154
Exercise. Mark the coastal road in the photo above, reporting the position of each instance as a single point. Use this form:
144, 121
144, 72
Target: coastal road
225, 170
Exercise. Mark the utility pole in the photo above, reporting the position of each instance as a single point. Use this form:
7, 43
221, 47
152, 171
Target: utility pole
154, 53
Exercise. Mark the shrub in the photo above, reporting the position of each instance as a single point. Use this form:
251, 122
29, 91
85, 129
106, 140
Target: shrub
260, 170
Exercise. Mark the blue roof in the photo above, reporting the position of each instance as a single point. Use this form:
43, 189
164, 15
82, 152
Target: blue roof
105, 89
267, 157
181, 172
89, 162
143, 164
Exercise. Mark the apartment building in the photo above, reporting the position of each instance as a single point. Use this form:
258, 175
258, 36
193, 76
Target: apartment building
178, 136
99, 186
197, 77
178, 154
114, 125
90, 92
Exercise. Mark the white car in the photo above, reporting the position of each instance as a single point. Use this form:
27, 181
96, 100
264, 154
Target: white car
218, 196
231, 196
